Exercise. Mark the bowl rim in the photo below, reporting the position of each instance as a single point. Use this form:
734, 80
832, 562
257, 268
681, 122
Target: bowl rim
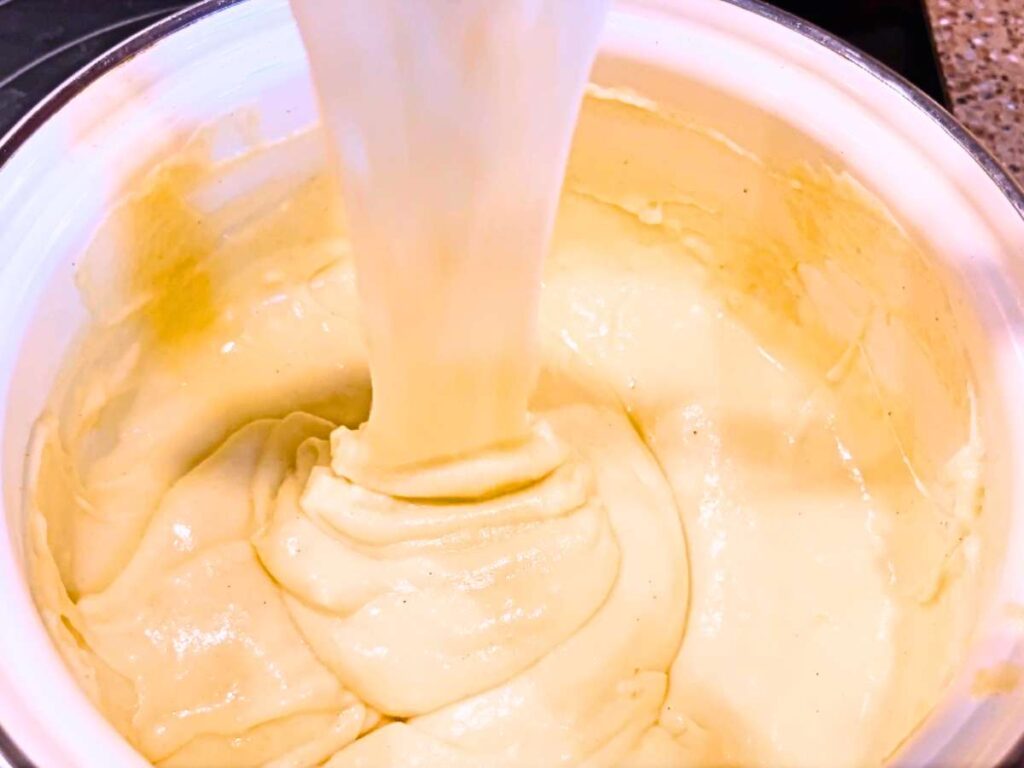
29, 123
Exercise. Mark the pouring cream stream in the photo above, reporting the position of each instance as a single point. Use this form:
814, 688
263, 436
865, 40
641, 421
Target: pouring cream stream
452, 124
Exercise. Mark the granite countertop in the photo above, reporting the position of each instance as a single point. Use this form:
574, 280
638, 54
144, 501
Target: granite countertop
981, 48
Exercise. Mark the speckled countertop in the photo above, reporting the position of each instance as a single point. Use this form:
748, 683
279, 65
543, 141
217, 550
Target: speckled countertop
981, 48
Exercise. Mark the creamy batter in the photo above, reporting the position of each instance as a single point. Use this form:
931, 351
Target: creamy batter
736, 528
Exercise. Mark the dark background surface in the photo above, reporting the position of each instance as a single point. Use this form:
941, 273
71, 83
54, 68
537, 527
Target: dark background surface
42, 42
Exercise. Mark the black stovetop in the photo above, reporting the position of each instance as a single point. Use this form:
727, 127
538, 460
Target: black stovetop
42, 42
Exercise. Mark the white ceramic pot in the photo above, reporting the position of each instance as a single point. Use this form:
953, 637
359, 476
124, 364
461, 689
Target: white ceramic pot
61, 167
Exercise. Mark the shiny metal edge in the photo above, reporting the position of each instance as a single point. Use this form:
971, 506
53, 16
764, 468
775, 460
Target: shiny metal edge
24, 128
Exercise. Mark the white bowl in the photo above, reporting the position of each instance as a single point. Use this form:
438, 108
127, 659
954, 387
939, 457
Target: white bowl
63, 165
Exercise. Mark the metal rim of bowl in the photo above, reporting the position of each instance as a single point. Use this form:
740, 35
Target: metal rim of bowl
24, 128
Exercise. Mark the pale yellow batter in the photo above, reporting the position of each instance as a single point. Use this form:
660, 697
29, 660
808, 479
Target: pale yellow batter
738, 528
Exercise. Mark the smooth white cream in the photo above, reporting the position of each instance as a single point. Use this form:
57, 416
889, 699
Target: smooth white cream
738, 529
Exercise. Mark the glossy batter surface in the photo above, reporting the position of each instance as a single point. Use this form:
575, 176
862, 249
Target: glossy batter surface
739, 529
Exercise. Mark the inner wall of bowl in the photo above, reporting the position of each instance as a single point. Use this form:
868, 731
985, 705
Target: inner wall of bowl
218, 70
